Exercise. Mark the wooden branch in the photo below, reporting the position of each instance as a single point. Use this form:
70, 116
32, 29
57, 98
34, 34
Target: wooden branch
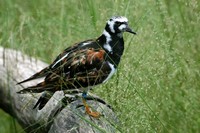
54, 117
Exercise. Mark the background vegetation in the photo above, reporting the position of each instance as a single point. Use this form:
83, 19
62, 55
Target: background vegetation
157, 86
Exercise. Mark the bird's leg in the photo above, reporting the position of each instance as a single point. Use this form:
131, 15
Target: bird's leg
88, 110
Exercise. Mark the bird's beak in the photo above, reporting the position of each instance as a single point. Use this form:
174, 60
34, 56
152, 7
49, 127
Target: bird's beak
128, 29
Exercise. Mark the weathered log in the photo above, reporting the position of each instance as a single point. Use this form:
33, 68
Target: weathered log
57, 116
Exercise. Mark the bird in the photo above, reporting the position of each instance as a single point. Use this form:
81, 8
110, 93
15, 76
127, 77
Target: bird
83, 65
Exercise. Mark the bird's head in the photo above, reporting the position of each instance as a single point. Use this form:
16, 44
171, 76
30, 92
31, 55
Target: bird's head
118, 24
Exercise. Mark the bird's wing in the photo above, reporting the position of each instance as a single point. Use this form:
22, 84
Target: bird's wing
81, 68
56, 63
84, 64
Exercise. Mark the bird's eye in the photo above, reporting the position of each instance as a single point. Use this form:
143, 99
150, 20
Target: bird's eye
118, 23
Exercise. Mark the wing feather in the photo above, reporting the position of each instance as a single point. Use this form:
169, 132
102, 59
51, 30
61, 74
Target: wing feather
74, 68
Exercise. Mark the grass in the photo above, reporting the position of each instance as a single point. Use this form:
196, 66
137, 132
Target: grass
156, 88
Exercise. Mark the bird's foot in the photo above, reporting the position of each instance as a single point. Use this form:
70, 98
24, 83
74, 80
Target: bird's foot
94, 114
89, 111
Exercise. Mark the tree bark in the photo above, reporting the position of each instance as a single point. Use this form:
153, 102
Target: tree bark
57, 116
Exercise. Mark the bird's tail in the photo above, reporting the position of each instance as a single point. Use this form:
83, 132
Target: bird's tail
40, 74
42, 101
48, 93
37, 88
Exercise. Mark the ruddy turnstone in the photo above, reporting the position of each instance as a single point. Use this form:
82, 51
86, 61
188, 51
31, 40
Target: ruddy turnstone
83, 65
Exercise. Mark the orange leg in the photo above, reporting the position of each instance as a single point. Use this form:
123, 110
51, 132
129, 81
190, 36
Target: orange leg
88, 110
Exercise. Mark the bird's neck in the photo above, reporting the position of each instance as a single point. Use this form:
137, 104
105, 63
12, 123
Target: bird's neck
113, 45
111, 41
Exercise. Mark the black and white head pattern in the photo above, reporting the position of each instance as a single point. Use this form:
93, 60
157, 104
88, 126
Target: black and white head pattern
117, 24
